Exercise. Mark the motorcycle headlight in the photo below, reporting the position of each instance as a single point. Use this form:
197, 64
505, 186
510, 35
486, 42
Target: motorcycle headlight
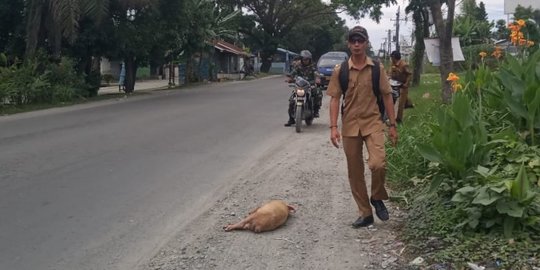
300, 92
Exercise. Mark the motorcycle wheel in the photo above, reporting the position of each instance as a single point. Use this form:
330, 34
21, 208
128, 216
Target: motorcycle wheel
309, 121
298, 118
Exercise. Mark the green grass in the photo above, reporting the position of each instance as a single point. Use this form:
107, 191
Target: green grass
143, 73
404, 162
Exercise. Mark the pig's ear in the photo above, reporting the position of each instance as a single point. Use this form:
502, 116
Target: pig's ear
292, 209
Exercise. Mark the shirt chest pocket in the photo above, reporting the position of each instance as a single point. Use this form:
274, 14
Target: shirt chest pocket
359, 84
362, 85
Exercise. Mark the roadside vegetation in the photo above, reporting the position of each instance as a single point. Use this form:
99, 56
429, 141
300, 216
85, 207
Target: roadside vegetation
468, 162
469, 171
51, 50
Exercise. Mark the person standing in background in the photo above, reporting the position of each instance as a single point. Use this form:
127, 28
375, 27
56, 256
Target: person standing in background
400, 72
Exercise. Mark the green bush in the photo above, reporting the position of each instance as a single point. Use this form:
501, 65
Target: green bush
473, 59
458, 144
482, 178
37, 81
108, 78
93, 82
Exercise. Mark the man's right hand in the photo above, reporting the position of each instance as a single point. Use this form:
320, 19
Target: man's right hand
335, 137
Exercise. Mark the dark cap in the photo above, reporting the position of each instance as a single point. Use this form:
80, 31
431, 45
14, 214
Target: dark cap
396, 55
358, 31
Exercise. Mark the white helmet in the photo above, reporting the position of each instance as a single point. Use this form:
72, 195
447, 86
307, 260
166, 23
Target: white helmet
305, 54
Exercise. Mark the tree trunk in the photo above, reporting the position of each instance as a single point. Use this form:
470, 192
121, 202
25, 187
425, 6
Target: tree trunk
131, 71
33, 26
266, 59
154, 69
56, 39
96, 64
444, 31
421, 31
189, 70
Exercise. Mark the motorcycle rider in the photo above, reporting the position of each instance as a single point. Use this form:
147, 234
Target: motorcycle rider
307, 70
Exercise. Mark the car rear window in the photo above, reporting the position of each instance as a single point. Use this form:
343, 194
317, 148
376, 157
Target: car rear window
330, 61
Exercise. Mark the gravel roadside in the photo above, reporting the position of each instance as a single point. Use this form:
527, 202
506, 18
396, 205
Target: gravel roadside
309, 173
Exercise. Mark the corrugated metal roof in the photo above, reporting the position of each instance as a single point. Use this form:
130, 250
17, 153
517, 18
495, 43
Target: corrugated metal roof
225, 46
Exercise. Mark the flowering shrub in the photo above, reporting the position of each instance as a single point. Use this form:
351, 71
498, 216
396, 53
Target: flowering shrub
491, 110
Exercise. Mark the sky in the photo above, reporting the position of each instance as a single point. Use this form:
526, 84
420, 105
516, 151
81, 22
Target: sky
378, 32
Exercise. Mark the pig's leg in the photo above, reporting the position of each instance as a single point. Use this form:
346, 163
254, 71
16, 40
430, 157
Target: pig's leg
243, 224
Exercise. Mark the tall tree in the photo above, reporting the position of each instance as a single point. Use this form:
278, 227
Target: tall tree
11, 26
501, 32
526, 13
443, 27
50, 20
135, 35
318, 35
420, 17
469, 8
361, 8
268, 22
481, 14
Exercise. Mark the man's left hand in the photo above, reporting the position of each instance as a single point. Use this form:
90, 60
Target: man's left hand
392, 134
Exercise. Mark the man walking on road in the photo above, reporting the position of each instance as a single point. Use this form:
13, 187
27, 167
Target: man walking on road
361, 123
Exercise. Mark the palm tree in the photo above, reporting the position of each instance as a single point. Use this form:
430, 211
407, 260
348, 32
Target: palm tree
48, 21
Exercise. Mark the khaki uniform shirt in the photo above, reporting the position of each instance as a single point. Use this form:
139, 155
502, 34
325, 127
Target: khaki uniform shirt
361, 115
401, 73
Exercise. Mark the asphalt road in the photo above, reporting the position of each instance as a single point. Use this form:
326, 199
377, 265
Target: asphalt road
104, 185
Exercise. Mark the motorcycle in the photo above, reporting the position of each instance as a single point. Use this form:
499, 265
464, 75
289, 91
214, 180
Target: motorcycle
304, 101
396, 86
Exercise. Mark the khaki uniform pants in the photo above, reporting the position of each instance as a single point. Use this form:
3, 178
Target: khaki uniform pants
403, 99
353, 147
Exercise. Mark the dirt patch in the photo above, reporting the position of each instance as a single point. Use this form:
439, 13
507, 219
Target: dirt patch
310, 176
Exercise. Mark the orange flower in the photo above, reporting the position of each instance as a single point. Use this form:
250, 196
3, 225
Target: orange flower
497, 53
513, 27
521, 22
530, 43
452, 77
482, 54
456, 87
522, 42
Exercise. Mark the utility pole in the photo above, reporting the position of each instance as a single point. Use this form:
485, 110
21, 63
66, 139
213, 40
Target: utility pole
389, 41
382, 50
398, 20
397, 29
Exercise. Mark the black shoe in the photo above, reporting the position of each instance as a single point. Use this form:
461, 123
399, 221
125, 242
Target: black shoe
363, 222
290, 123
316, 114
380, 209
409, 105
